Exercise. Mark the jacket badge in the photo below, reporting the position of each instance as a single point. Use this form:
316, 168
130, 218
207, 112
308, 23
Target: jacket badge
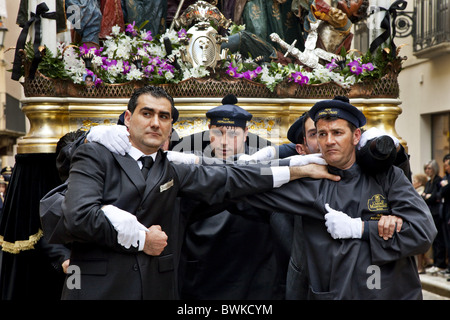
166, 186
377, 203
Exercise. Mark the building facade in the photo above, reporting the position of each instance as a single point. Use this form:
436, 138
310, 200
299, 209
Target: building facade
424, 82
12, 121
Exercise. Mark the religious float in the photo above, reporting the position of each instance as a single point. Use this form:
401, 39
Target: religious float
198, 60
274, 80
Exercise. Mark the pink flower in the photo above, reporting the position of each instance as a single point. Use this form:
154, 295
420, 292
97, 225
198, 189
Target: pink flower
249, 75
367, 67
182, 33
130, 29
233, 72
98, 82
355, 67
148, 36
126, 67
84, 49
299, 78
332, 65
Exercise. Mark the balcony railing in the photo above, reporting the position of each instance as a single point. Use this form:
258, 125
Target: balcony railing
432, 27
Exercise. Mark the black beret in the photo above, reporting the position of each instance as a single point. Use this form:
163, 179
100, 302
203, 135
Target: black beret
229, 114
295, 132
339, 107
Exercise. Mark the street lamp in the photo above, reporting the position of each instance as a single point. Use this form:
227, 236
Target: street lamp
3, 30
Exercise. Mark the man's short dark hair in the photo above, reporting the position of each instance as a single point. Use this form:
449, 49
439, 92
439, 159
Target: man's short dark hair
155, 91
446, 157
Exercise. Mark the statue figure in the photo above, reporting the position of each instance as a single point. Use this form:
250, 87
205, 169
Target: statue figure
328, 30
335, 32
311, 55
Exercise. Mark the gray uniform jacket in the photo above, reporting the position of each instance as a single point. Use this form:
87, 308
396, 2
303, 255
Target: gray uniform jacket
368, 268
99, 177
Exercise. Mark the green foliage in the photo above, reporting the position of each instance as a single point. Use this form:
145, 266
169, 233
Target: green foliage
50, 66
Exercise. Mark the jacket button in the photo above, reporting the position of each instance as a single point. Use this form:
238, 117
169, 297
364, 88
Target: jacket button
135, 267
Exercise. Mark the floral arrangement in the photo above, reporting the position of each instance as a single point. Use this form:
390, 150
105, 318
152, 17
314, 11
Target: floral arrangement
346, 71
127, 56
134, 54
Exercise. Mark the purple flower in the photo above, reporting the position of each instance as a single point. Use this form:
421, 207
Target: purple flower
233, 72
355, 67
304, 80
299, 78
167, 67
130, 29
84, 49
182, 33
249, 75
149, 69
368, 67
107, 64
111, 63
98, 51
148, 36
246, 75
98, 82
332, 65
126, 67
155, 61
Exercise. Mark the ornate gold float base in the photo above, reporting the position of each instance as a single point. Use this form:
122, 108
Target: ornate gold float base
51, 118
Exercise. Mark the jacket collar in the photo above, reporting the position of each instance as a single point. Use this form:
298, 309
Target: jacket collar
353, 171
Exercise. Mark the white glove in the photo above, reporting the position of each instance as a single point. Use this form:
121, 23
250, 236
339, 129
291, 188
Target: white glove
180, 157
302, 160
373, 133
341, 226
130, 232
264, 154
114, 138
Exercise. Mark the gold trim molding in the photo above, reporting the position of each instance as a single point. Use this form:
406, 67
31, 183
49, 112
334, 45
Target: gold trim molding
51, 118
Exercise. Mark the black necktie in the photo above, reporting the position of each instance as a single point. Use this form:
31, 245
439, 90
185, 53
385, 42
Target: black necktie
147, 163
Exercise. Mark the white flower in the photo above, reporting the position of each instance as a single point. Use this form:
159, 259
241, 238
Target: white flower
172, 35
75, 67
123, 52
111, 47
97, 61
142, 52
134, 74
168, 75
115, 30
156, 51
200, 72
115, 70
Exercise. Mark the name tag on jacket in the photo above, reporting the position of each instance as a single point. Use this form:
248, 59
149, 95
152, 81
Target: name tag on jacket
166, 186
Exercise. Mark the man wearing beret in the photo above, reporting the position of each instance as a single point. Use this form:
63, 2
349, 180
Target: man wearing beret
232, 254
119, 211
345, 256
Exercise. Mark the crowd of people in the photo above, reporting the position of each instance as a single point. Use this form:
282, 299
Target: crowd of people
224, 214
435, 191
233, 217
